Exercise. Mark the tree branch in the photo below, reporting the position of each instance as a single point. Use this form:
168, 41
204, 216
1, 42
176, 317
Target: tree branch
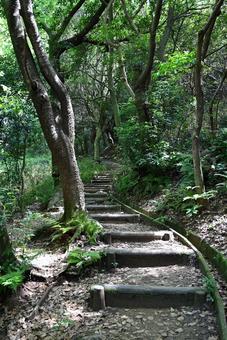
67, 20
139, 9
208, 28
144, 77
47, 69
78, 38
215, 51
129, 19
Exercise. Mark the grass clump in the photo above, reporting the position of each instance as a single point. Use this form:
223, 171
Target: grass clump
83, 259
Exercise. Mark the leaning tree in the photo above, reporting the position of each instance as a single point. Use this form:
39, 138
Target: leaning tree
39, 76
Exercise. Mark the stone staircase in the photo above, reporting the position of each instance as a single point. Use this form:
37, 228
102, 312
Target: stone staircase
131, 243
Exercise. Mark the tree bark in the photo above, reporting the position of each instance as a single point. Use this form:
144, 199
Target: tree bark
98, 136
166, 34
204, 37
58, 131
113, 96
142, 84
6, 252
110, 67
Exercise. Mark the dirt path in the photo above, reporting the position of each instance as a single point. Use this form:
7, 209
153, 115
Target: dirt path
162, 263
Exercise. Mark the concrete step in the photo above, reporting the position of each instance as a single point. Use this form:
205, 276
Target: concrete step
96, 194
106, 175
97, 200
98, 185
126, 226
94, 190
127, 236
133, 296
116, 217
102, 181
104, 207
147, 257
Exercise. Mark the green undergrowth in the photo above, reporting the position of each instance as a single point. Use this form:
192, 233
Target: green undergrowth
60, 233
41, 192
40, 186
12, 277
129, 183
82, 259
89, 168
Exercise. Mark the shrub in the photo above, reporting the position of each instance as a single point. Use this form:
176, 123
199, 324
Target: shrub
140, 145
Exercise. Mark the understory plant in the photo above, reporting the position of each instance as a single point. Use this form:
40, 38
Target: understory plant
80, 224
89, 168
184, 200
12, 276
82, 259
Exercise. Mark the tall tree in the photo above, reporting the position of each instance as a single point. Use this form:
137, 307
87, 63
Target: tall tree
203, 41
58, 130
143, 81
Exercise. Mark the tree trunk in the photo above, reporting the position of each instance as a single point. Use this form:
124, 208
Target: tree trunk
204, 37
6, 251
198, 172
110, 69
142, 84
98, 136
58, 131
142, 105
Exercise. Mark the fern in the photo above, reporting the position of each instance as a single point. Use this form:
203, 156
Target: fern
83, 259
79, 224
12, 280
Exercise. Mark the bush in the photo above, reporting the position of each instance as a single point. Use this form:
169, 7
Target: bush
130, 183
140, 145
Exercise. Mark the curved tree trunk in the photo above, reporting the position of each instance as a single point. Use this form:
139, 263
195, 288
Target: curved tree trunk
58, 130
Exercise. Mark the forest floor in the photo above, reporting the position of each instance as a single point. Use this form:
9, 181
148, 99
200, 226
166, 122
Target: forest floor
64, 312
210, 224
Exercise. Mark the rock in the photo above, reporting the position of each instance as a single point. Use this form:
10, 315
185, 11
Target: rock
181, 318
164, 335
150, 318
179, 330
88, 337
173, 315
